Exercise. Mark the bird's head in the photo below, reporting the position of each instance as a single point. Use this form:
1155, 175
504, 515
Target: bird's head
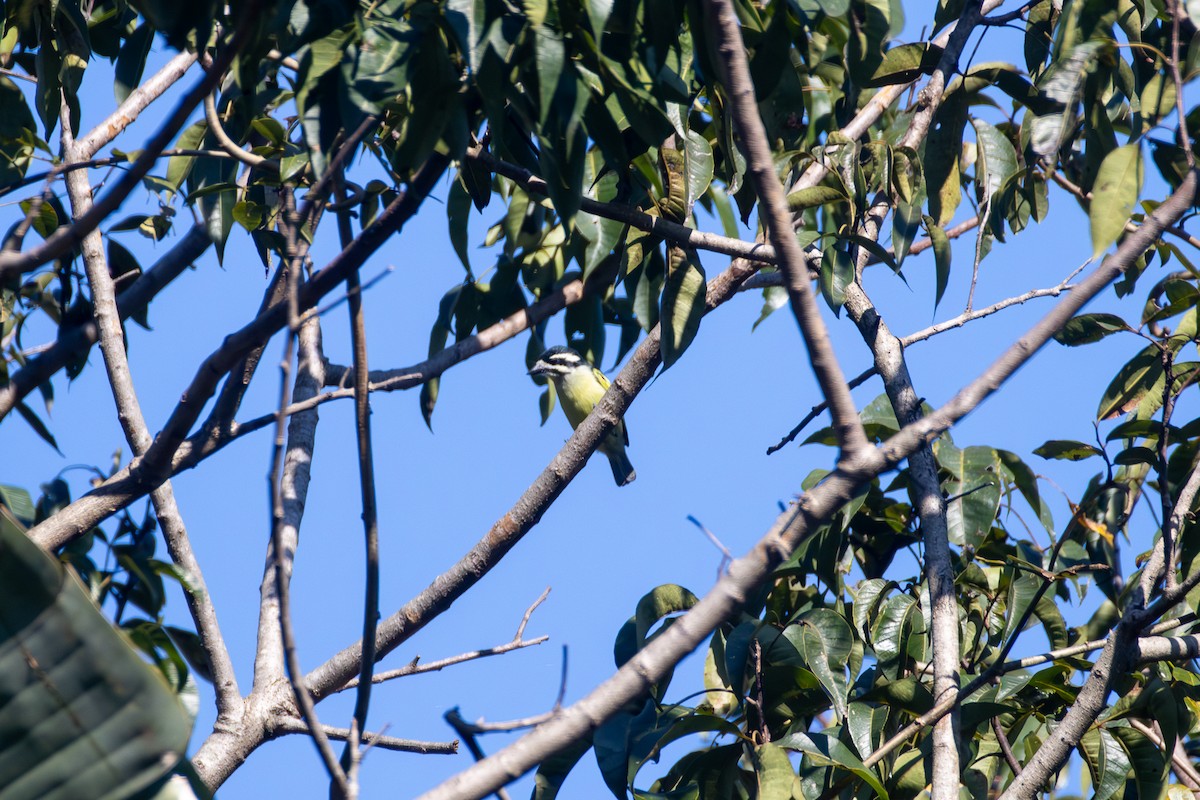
557, 362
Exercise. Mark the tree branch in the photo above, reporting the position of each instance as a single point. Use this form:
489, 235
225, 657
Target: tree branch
888, 354
518, 642
293, 725
366, 473
279, 525
107, 320
227, 144
731, 57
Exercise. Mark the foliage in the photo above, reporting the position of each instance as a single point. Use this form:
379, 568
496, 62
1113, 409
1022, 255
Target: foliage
590, 132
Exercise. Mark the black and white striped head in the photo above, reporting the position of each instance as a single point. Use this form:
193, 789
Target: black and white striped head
557, 362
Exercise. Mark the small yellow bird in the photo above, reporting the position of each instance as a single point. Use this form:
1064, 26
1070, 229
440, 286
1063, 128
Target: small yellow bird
580, 387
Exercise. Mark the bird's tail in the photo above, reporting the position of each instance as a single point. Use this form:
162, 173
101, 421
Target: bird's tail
622, 469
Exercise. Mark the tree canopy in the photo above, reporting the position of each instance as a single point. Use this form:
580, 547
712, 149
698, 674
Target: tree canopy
614, 175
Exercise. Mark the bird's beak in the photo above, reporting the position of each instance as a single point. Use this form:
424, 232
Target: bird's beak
538, 369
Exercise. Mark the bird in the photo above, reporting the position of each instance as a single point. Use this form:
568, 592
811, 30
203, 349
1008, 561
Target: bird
580, 387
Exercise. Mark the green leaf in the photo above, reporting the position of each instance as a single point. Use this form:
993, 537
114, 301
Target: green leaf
814, 196
121, 262
825, 641
270, 129
699, 166
1062, 84
906, 222
131, 61
682, 304
437, 342
1106, 760
906, 63
19, 502
941, 258
1088, 328
548, 46
1146, 760
1026, 482
837, 272
180, 167
973, 491
48, 92
1131, 383
773, 772
1022, 587
1067, 450
656, 604
997, 164
1115, 195
458, 213
867, 596
774, 298
943, 150
827, 751
248, 214
602, 234
889, 633
38, 426
74, 676
553, 771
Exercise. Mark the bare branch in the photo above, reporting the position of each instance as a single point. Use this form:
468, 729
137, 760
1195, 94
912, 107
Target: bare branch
107, 324
366, 473
293, 725
518, 642
300, 693
465, 729
137, 101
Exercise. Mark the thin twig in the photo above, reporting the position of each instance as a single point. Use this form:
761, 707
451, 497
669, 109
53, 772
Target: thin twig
227, 144
1011, 16
366, 472
293, 725
1183, 137
726, 556
416, 668
1005, 747
922, 335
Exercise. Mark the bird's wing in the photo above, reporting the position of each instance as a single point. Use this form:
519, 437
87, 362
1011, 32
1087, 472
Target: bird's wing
604, 384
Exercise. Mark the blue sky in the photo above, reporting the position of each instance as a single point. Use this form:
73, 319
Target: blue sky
698, 440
